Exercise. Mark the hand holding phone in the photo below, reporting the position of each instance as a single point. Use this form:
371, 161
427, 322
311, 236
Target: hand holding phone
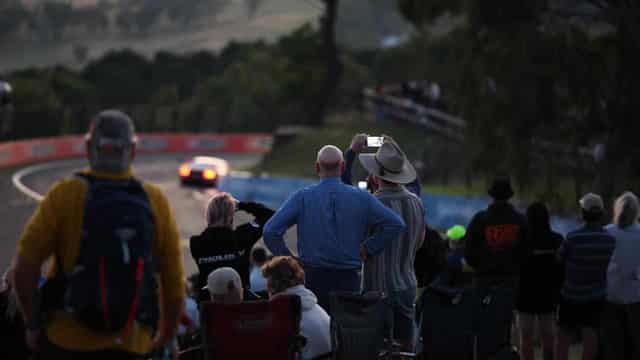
374, 141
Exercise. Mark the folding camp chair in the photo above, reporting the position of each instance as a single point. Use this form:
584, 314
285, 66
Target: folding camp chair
360, 327
446, 324
265, 330
467, 323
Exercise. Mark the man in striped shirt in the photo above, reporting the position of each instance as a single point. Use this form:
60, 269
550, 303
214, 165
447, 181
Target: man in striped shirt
585, 253
392, 271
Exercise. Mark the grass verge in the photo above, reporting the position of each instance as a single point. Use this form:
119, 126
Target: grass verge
297, 157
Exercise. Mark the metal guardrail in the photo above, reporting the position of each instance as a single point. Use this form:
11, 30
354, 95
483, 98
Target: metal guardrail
398, 108
383, 103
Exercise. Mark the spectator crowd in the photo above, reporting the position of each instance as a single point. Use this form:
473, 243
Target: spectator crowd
115, 288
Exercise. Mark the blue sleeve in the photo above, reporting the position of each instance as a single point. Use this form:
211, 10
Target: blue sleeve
280, 222
349, 157
386, 223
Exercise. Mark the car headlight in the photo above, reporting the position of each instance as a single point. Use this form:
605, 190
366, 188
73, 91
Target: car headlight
184, 170
209, 174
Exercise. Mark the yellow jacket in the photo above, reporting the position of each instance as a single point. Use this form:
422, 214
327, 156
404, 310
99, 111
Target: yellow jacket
55, 227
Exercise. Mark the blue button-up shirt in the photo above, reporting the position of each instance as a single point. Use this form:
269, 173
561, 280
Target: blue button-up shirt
333, 220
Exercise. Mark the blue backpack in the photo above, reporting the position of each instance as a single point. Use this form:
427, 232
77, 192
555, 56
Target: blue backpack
112, 284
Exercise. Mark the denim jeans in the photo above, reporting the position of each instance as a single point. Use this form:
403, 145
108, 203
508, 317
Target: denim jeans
323, 281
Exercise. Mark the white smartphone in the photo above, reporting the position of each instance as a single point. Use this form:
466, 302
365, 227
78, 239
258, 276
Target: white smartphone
374, 141
362, 185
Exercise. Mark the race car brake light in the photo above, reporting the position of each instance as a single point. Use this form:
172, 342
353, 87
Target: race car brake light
209, 174
184, 171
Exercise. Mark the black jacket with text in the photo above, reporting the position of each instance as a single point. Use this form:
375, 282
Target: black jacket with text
497, 243
218, 247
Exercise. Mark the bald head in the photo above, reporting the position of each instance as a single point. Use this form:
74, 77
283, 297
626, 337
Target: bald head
329, 161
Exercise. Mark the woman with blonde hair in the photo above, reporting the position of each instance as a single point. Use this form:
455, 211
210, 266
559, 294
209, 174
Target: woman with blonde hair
621, 321
221, 244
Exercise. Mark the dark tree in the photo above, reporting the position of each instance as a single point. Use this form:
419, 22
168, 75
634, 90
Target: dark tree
331, 56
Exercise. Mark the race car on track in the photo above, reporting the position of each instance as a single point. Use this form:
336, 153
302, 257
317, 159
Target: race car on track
203, 170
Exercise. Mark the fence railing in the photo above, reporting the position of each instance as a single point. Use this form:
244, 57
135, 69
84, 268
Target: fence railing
385, 104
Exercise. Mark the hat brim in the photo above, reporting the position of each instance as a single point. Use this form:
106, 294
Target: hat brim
500, 193
405, 176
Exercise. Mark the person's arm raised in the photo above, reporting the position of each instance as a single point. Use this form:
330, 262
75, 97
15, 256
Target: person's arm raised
252, 231
261, 213
357, 145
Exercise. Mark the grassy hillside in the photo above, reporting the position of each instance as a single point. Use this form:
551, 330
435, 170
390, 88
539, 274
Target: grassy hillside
297, 157
443, 162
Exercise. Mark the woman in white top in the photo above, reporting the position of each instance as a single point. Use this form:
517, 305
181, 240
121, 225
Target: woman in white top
285, 275
621, 321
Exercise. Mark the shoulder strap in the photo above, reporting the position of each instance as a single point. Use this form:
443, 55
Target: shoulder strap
92, 180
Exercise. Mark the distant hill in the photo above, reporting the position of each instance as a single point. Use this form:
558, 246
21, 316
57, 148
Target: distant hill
362, 24
272, 19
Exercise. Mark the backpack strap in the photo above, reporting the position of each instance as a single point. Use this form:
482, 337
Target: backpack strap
91, 180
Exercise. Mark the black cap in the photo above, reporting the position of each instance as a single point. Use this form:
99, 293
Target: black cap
501, 188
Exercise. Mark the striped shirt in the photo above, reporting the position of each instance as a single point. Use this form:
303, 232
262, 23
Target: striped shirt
392, 270
586, 253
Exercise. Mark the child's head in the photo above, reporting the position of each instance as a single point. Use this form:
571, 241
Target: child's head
259, 256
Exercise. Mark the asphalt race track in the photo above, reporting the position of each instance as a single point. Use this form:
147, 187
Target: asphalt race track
188, 203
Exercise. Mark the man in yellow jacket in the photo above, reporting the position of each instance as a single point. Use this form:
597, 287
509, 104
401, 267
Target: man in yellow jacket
55, 230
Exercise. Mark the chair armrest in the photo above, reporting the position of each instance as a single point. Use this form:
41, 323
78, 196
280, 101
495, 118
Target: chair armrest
326, 356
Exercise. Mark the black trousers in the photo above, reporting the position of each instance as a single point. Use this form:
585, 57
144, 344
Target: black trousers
49, 351
621, 331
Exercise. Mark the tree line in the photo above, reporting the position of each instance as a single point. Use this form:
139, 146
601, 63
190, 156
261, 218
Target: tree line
245, 87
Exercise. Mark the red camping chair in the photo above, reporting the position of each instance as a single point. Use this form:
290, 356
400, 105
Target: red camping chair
262, 330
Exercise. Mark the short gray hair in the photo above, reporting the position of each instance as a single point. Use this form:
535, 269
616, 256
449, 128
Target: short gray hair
626, 210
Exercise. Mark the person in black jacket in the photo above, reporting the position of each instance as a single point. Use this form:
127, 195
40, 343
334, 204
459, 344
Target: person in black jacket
431, 258
540, 283
497, 240
221, 245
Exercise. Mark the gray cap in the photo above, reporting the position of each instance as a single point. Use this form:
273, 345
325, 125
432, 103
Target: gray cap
592, 202
110, 141
224, 285
112, 127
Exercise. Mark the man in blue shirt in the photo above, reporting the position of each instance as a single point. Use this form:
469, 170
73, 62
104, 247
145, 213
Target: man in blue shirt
333, 222
586, 253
